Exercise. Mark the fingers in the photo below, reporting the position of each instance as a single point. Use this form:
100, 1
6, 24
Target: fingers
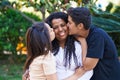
25, 75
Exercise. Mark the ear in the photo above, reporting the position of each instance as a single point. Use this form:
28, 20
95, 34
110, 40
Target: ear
80, 26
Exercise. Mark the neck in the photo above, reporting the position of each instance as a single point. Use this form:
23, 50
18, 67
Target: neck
84, 33
62, 44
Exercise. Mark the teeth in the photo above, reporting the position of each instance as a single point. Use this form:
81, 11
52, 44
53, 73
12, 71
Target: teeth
62, 33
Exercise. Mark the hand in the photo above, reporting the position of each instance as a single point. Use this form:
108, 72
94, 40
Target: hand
26, 76
79, 71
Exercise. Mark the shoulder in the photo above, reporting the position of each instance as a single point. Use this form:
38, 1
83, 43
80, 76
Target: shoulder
96, 32
49, 64
77, 44
49, 56
45, 58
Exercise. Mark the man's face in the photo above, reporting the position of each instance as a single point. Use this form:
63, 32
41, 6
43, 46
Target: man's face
73, 29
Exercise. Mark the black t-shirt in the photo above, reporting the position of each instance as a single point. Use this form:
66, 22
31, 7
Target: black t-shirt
100, 45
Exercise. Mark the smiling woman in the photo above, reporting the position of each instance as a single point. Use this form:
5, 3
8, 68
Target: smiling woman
66, 49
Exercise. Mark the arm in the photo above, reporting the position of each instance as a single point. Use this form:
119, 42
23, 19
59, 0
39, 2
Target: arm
95, 51
80, 71
84, 47
25, 76
88, 63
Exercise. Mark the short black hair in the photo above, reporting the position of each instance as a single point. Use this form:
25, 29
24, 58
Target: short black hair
80, 15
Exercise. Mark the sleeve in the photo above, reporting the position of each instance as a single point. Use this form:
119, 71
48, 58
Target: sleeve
96, 46
49, 65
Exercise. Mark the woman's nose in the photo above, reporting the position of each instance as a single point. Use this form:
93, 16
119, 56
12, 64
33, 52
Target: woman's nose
67, 24
60, 28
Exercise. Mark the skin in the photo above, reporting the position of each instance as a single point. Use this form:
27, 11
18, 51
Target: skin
76, 30
61, 30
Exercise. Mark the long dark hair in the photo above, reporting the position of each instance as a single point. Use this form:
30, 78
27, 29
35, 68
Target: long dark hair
38, 42
69, 49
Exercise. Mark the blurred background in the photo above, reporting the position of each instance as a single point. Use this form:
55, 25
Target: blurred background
17, 15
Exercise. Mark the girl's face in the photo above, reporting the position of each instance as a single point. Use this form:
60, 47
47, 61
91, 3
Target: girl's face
60, 28
51, 32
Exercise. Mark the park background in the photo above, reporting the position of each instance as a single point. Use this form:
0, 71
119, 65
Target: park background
17, 15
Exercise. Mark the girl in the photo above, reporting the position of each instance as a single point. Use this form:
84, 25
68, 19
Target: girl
40, 61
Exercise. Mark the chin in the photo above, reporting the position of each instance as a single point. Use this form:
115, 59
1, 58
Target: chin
70, 33
52, 38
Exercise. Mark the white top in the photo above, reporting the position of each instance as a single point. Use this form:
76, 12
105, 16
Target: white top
42, 66
64, 72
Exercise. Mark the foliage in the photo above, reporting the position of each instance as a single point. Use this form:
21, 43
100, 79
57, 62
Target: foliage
110, 22
12, 27
104, 19
46, 5
11, 71
14, 23
116, 37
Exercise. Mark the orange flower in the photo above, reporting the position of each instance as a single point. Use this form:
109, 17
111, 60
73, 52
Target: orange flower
19, 46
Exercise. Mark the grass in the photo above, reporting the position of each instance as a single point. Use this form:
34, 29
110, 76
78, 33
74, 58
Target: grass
11, 71
14, 71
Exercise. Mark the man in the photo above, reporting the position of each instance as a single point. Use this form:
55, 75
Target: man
101, 54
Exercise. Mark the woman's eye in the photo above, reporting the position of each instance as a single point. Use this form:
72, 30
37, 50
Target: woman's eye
62, 25
55, 27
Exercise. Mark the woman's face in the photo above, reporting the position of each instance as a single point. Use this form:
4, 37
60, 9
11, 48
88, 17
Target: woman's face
51, 32
60, 28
